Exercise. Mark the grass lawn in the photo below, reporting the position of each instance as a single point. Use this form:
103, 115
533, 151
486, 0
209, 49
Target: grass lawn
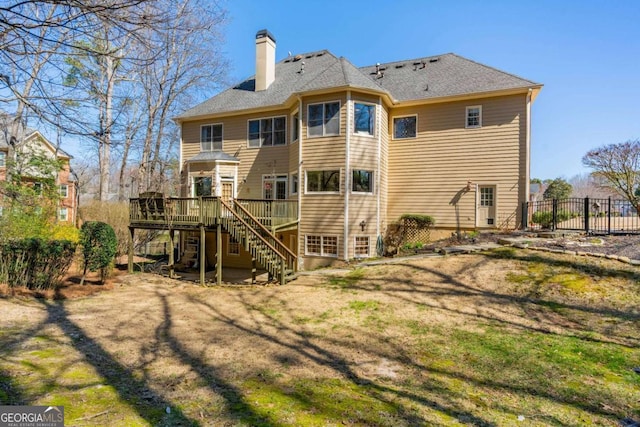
504, 338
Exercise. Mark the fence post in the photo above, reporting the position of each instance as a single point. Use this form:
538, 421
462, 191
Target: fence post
554, 211
609, 216
525, 215
586, 215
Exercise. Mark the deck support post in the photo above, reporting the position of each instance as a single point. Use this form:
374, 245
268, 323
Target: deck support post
203, 258
130, 254
253, 270
219, 254
282, 272
172, 261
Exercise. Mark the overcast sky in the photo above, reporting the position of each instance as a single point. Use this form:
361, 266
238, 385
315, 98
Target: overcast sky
586, 53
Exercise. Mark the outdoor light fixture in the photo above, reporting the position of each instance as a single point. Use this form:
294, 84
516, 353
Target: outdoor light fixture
363, 224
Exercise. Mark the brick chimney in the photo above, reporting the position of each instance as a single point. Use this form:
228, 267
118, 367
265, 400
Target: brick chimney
265, 59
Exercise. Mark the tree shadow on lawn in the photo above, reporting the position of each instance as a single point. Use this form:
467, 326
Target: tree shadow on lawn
136, 393
298, 341
450, 286
301, 342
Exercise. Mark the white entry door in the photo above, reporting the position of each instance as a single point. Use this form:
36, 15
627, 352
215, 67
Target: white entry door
486, 206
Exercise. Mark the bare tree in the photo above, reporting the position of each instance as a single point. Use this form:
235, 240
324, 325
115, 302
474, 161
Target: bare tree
35, 39
170, 53
190, 57
587, 185
618, 165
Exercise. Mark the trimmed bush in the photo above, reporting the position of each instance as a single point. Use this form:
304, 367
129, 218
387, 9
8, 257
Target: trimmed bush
422, 221
545, 218
35, 263
99, 246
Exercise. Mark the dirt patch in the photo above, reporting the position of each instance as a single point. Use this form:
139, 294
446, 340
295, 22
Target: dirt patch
70, 287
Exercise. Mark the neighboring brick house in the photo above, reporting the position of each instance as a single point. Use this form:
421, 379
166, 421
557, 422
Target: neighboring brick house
32, 141
354, 148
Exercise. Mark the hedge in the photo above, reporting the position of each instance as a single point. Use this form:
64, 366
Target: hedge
35, 263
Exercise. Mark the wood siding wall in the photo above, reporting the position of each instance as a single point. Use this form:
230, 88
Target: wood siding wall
425, 175
322, 214
428, 174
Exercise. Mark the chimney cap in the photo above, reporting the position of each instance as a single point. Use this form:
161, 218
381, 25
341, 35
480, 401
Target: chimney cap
265, 33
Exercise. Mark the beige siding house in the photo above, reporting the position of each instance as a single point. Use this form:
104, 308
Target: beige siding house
352, 149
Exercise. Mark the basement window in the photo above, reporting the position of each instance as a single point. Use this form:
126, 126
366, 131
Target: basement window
321, 246
361, 246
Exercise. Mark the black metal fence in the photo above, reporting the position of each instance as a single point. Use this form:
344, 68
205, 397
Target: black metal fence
599, 216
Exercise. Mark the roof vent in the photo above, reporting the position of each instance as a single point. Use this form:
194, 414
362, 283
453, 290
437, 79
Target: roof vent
434, 60
417, 63
320, 54
309, 55
400, 65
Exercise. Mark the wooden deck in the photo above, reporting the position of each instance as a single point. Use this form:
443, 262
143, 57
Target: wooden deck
180, 213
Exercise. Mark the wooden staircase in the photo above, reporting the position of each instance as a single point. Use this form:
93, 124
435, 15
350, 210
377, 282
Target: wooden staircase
264, 247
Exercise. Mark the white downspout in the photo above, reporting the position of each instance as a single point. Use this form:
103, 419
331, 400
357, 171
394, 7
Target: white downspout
180, 158
347, 187
378, 175
301, 243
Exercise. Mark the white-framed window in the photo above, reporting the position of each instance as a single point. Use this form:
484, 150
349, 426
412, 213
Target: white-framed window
324, 181
295, 126
63, 214
321, 245
202, 186
274, 187
364, 118
362, 181
3, 159
486, 197
267, 132
361, 247
294, 183
405, 127
323, 119
473, 116
64, 191
233, 246
211, 137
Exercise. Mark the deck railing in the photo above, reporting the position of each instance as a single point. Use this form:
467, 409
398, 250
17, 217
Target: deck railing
174, 211
271, 213
193, 211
